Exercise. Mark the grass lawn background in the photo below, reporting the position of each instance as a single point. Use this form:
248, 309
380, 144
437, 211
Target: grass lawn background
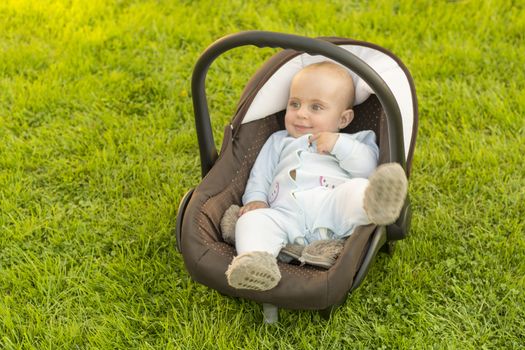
97, 147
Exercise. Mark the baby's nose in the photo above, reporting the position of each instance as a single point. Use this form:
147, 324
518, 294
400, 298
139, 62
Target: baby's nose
302, 112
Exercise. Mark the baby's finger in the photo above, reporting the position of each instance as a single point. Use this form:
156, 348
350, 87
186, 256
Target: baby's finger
314, 137
321, 149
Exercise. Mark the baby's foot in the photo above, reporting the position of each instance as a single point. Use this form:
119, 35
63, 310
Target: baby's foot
322, 253
385, 194
290, 252
228, 222
254, 270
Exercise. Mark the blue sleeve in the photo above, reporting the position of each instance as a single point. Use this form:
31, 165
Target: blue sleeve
261, 175
357, 153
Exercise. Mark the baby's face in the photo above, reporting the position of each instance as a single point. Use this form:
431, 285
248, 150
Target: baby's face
318, 98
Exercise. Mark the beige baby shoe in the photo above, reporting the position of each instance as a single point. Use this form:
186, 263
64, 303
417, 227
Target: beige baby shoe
228, 221
254, 270
290, 252
322, 253
385, 194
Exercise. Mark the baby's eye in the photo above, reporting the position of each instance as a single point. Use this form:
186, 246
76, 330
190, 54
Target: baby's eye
317, 107
294, 104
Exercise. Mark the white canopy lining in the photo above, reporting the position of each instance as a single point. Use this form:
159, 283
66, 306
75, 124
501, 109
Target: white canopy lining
273, 96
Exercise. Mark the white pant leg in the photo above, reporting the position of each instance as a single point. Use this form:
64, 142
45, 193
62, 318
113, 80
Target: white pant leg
262, 230
339, 209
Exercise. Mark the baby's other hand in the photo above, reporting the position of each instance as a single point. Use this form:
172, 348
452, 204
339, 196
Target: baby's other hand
252, 206
325, 141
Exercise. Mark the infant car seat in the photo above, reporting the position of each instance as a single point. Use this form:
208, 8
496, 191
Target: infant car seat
385, 103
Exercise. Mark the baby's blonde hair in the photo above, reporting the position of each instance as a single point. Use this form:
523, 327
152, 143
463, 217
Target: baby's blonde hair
339, 70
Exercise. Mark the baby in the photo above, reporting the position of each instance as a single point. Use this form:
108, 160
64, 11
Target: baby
310, 182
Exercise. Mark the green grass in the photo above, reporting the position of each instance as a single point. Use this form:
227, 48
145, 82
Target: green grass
97, 147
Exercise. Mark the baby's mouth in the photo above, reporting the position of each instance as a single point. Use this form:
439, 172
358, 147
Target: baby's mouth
302, 129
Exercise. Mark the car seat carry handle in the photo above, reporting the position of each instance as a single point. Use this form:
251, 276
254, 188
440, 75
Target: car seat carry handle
208, 151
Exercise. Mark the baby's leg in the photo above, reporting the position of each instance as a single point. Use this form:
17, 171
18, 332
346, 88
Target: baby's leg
259, 236
377, 200
341, 209
260, 230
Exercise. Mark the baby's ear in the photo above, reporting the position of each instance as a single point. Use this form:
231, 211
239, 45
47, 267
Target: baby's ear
346, 118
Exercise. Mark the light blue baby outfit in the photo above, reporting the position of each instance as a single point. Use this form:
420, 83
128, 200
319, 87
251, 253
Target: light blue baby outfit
311, 196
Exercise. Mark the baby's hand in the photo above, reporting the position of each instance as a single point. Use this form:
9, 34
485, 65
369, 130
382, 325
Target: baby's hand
252, 206
325, 141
